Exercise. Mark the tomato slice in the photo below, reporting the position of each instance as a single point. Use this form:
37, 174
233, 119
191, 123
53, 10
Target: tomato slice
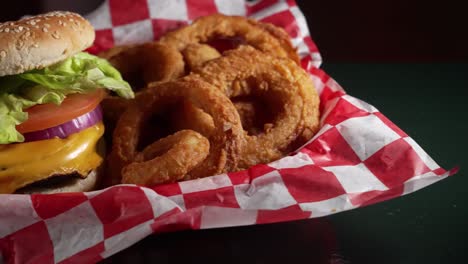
50, 115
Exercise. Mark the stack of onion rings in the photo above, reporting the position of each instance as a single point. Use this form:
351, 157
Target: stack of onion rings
228, 110
224, 144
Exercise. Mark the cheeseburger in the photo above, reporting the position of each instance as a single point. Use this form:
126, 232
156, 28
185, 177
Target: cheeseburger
50, 90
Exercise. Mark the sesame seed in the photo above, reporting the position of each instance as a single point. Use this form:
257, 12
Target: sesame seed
64, 24
35, 45
44, 29
7, 30
32, 23
27, 34
71, 20
56, 35
12, 24
3, 54
19, 44
20, 28
47, 25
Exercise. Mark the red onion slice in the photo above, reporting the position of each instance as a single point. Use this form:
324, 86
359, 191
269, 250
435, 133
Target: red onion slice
64, 130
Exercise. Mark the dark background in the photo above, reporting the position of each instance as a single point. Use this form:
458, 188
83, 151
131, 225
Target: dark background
409, 59
389, 31
350, 31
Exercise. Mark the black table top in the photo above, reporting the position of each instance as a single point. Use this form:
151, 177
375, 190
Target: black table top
429, 226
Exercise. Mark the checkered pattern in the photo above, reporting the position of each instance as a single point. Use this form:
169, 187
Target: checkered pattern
359, 157
133, 21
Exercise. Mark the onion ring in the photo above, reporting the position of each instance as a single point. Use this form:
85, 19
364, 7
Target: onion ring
190, 117
225, 143
196, 54
254, 119
247, 112
168, 159
265, 37
140, 64
109, 53
285, 87
150, 62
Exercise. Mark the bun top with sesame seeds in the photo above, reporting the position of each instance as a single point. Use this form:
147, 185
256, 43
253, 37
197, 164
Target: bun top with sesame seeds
39, 41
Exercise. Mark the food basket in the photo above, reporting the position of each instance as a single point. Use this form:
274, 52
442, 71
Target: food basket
359, 157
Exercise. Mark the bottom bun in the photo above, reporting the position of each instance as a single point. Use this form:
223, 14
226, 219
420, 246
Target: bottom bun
61, 184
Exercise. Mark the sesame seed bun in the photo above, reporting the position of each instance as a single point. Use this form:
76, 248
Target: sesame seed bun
39, 41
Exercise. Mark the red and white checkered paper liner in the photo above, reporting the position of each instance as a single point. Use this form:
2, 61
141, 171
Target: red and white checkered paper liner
359, 157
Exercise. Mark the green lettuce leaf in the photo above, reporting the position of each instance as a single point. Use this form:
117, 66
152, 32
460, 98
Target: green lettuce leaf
81, 73
12, 114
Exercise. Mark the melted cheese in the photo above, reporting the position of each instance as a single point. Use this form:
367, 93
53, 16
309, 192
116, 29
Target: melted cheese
25, 163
